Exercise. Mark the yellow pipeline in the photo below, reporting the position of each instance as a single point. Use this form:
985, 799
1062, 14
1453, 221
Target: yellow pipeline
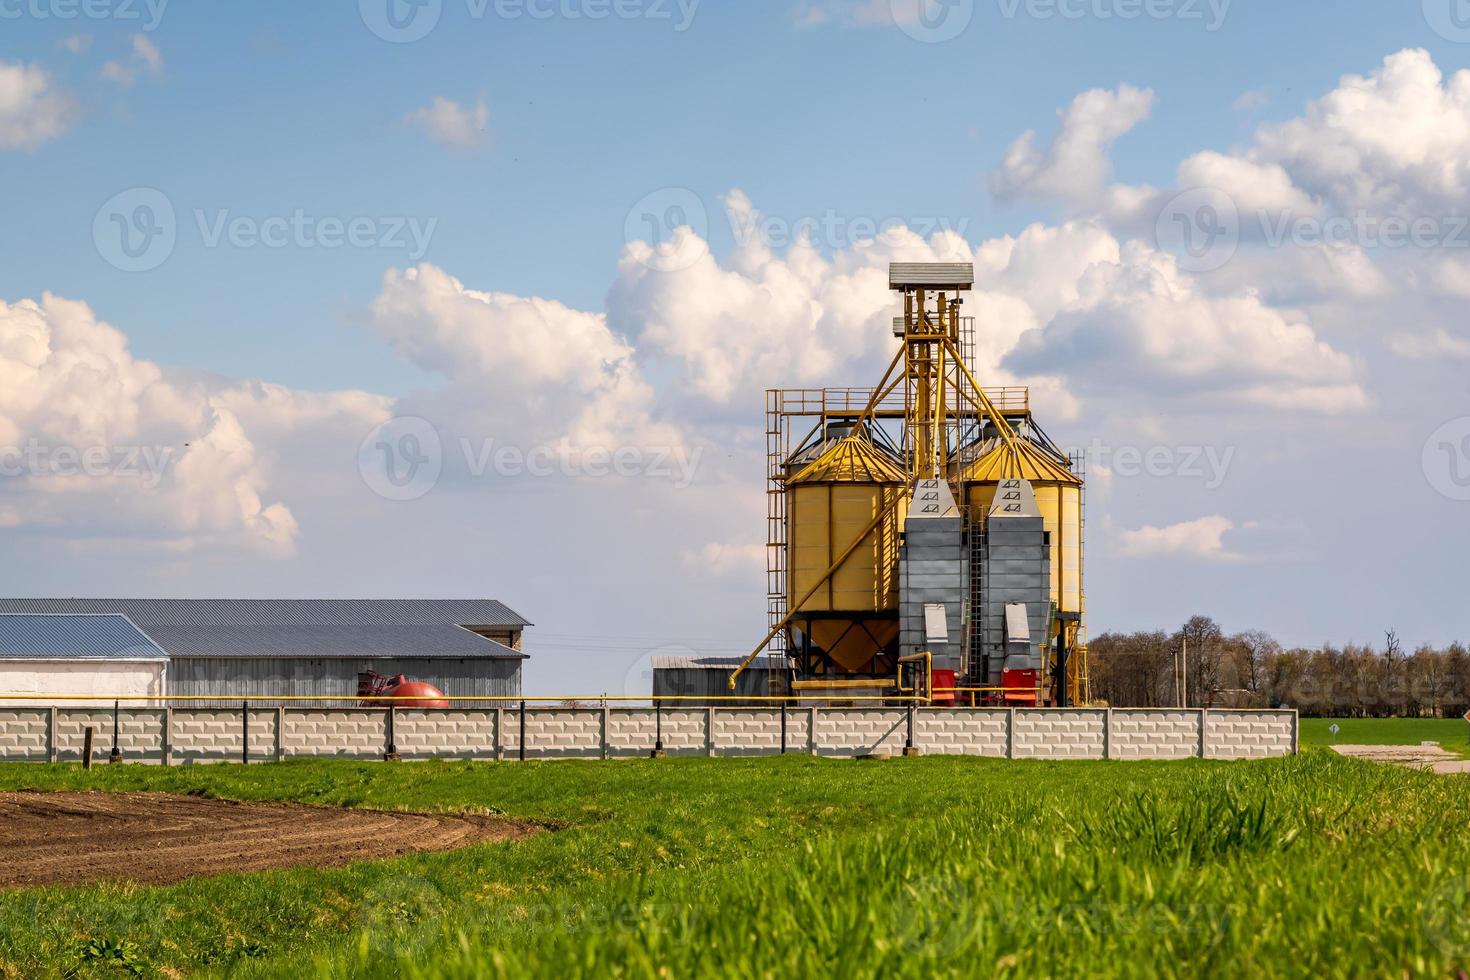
796, 607
928, 659
586, 699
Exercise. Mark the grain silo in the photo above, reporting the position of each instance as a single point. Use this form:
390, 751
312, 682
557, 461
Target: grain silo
881, 544
844, 514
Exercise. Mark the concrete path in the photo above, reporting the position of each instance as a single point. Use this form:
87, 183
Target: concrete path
1432, 757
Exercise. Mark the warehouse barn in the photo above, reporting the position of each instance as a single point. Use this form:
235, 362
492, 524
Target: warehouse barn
314, 647
704, 681
71, 656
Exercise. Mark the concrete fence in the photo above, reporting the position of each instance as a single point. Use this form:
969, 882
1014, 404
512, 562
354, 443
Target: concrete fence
171, 736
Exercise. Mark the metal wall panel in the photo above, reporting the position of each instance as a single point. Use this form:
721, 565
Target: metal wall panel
291, 676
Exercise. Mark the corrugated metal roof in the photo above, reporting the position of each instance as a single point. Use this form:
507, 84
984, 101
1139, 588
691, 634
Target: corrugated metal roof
329, 642
282, 612
74, 638
1022, 460
722, 663
852, 460
304, 628
901, 274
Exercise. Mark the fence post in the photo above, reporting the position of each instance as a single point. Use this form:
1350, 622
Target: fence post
1108, 732
908, 734
499, 733
52, 750
244, 733
1204, 722
1010, 733
87, 735
521, 745
783, 727
168, 735
658, 730
605, 718
280, 733
392, 754
116, 755
811, 730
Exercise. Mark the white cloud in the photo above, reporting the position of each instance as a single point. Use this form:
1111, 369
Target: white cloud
1253, 186
1397, 140
1076, 167
452, 124
518, 367
1141, 325
32, 111
146, 61
1202, 538
97, 443
1434, 344
75, 43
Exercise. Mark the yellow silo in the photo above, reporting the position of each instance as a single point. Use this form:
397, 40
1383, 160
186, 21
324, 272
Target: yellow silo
1058, 494
853, 492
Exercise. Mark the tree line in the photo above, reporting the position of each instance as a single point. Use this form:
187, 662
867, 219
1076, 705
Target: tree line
1251, 669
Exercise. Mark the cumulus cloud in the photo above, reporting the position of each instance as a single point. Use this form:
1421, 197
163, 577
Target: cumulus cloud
32, 111
1076, 167
1395, 140
145, 61
75, 43
520, 366
452, 124
1201, 538
97, 442
1141, 325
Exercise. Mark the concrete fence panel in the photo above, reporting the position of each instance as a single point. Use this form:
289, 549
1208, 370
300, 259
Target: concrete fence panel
632, 731
861, 731
1059, 733
453, 734
962, 731
1246, 734
25, 734
139, 733
218, 735
1148, 734
353, 733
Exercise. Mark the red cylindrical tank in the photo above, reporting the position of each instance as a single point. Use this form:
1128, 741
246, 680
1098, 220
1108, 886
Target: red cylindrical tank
944, 681
424, 695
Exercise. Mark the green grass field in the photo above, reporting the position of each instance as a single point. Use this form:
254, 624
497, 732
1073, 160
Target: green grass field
1314, 865
1451, 733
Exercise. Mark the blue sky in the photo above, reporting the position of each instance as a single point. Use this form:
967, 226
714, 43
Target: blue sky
809, 110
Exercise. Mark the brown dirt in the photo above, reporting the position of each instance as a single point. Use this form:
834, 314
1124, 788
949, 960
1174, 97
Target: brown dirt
156, 838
